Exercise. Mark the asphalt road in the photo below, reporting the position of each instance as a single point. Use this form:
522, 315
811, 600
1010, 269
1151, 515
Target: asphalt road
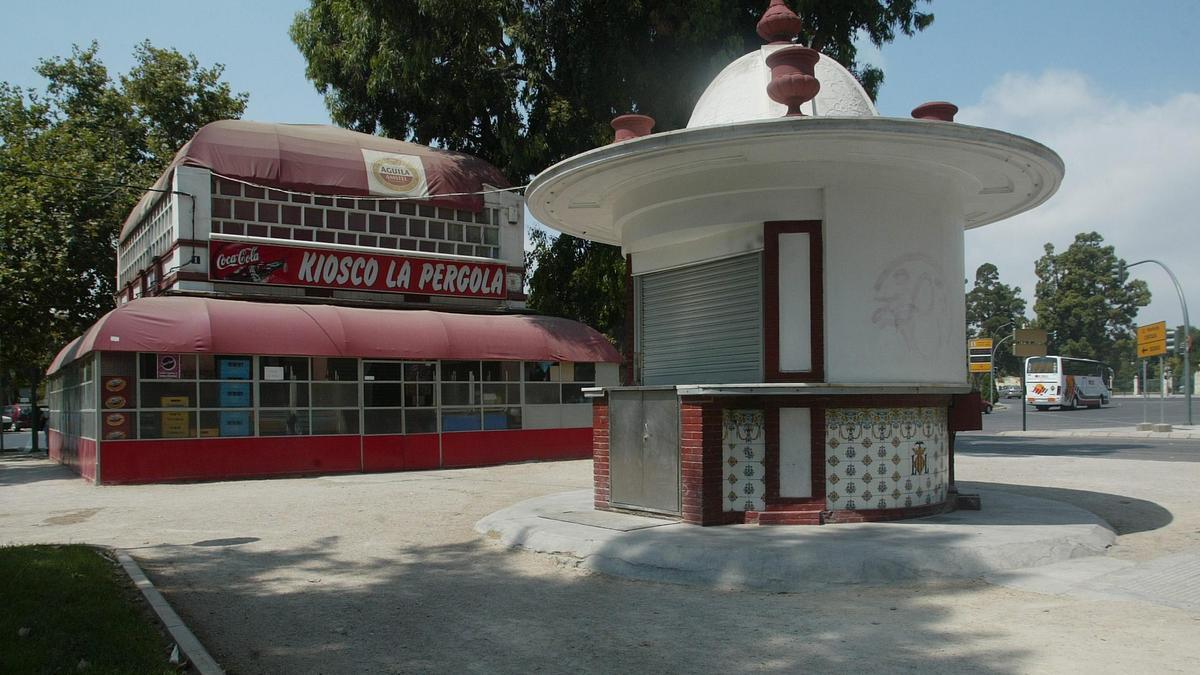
1120, 412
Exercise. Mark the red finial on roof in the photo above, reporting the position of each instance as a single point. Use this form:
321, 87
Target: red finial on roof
793, 76
631, 126
935, 110
779, 24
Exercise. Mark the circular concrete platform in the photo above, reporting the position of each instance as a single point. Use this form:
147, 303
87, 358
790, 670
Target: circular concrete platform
1011, 532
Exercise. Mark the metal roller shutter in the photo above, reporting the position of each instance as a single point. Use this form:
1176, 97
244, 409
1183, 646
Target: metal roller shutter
703, 324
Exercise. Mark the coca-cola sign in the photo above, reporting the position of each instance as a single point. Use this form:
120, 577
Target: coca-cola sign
334, 268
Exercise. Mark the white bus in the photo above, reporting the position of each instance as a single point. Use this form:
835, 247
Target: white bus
1065, 382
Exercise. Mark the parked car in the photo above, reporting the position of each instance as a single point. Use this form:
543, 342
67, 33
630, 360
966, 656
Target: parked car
5, 423
25, 419
1010, 391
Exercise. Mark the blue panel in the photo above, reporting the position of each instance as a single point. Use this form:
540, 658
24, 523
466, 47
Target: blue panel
236, 423
234, 395
233, 368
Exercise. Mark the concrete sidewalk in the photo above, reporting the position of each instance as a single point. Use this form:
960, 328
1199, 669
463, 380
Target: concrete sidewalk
1012, 532
1178, 432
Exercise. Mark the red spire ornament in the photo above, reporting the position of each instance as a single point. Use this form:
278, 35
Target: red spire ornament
631, 126
940, 111
793, 76
778, 24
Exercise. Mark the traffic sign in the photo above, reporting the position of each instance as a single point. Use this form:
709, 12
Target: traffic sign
1152, 339
1029, 342
979, 355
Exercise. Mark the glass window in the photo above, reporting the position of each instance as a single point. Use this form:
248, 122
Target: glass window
226, 423
474, 235
383, 422
167, 366
491, 236
337, 370
542, 393
383, 370
500, 394
437, 230
420, 372
420, 421
460, 419
501, 418
416, 228
585, 372
118, 363
460, 371
419, 395
225, 367
167, 424
273, 368
1042, 365
501, 371
538, 371
282, 422
226, 395
168, 394
460, 394
455, 232
283, 394
384, 394
573, 392
330, 395
331, 422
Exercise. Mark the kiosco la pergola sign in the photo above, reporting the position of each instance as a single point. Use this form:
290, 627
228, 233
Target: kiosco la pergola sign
275, 265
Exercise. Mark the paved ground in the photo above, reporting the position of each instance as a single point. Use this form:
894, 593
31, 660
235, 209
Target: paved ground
1121, 412
383, 573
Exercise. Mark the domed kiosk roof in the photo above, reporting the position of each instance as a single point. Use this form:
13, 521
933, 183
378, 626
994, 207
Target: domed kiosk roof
739, 93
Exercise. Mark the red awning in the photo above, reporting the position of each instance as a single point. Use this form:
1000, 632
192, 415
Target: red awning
320, 159
189, 324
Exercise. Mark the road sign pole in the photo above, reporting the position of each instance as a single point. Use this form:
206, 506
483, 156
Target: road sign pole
1145, 394
1162, 391
1187, 331
1024, 404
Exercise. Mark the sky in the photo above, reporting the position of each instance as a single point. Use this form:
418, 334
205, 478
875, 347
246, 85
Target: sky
1113, 87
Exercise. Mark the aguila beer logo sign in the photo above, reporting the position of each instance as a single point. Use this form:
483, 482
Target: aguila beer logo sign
389, 173
396, 173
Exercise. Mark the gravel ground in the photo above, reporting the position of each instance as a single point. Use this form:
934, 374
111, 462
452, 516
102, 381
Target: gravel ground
383, 573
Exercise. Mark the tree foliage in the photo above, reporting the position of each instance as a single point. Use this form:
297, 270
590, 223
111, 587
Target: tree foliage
526, 83
576, 279
1087, 303
993, 310
65, 153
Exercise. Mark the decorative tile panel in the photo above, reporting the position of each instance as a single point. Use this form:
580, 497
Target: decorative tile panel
743, 448
885, 458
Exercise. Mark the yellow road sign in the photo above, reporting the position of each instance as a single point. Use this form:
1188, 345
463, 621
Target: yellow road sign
1148, 349
979, 343
1154, 332
980, 367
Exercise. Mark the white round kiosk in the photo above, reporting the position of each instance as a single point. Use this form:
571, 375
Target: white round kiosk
796, 308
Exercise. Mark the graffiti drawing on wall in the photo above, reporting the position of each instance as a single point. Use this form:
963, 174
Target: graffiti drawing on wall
911, 299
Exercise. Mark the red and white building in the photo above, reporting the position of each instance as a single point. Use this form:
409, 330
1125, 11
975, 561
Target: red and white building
798, 334
306, 299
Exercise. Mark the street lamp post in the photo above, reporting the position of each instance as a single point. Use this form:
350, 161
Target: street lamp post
1187, 328
992, 364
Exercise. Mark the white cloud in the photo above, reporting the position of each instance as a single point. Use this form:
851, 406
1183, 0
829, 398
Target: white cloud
1133, 174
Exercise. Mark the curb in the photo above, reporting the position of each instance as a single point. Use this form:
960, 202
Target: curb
1131, 435
199, 657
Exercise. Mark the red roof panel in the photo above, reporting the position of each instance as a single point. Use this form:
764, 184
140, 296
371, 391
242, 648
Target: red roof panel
190, 324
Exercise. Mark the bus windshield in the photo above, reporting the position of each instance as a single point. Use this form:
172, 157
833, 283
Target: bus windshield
1042, 365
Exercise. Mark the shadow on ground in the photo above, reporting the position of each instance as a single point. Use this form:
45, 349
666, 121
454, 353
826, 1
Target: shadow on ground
1125, 514
23, 468
473, 607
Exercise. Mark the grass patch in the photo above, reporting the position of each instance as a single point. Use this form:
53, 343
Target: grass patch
81, 612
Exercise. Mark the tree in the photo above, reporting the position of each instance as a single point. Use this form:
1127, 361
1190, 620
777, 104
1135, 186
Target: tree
990, 306
526, 83
74, 159
1087, 303
576, 279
